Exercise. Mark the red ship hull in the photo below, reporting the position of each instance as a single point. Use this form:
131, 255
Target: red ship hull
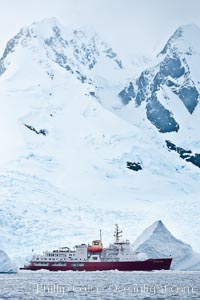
146, 265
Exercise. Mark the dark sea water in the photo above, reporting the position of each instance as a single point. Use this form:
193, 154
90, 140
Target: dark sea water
100, 285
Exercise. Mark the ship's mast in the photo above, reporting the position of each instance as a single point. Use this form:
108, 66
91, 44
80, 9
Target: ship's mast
117, 234
100, 236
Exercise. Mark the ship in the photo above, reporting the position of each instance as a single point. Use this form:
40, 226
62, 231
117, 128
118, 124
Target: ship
119, 255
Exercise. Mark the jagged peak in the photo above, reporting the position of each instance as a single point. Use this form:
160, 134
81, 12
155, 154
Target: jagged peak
186, 39
51, 27
53, 21
185, 30
43, 28
48, 27
70, 48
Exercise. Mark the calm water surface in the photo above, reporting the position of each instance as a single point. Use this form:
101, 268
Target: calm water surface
100, 285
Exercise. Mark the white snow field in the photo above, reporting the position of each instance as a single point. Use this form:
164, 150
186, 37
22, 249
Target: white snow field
65, 143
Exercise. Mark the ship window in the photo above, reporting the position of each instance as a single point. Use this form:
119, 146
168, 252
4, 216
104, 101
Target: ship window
77, 264
94, 258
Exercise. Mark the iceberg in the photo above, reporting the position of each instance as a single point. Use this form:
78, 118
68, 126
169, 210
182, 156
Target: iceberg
6, 266
157, 241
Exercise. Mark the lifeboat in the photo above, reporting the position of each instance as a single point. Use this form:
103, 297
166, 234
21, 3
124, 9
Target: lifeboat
96, 246
94, 249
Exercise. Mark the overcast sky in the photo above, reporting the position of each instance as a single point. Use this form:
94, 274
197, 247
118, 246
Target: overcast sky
131, 26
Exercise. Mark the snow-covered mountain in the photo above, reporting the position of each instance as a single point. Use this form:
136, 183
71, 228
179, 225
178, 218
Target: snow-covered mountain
157, 241
175, 74
73, 157
47, 42
168, 92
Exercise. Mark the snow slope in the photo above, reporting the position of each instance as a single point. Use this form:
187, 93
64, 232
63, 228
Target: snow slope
63, 163
157, 241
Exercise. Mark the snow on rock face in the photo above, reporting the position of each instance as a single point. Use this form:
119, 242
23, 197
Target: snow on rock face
6, 266
64, 162
185, 40
175, 70
157, 241
76, 51
127, 94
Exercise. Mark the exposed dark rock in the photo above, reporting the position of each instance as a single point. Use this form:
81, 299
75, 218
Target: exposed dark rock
10, 47
171, 73
127, 94
189, 95
92, 94
133, 166
157, 82
2, 68
185, 154
143, 85
172, 66
12, 44
119, 62
110, 53
41, 131
159, 116
194, 159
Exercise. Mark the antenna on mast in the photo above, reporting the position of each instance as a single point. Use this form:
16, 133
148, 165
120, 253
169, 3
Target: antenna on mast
117, 234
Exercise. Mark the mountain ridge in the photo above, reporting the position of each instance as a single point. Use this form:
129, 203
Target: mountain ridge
68, 148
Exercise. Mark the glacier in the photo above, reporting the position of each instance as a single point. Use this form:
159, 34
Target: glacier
66, 140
